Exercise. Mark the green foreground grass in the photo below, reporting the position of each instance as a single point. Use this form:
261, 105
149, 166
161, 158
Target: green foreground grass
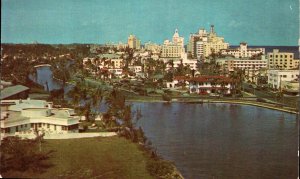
112, 157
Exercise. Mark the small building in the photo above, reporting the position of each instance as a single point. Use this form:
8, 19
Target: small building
14, 92
136, 68
178, 81
290, 87
28, 116
277, 77
210, 84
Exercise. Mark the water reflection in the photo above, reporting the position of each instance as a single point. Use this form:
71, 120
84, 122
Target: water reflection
223, 140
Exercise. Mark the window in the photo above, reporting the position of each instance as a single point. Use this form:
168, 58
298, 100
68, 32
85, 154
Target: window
48, 125
40, 124
32, 125
54, 127
284, 76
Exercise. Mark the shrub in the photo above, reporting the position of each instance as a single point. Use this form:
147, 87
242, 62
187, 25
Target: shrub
166, 97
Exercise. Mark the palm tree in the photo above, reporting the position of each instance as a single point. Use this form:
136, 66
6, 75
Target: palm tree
61, 70
88, 96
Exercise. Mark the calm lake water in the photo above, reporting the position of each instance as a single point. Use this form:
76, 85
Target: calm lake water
217, 140
223, 140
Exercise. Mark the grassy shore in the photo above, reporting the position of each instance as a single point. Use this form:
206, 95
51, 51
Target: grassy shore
112, 157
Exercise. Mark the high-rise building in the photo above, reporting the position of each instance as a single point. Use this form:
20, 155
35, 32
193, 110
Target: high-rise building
282, 60
134, 42
202, 44
174, 49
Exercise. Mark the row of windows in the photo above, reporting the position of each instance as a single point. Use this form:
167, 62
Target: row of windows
283, 76
281, 56
276, 60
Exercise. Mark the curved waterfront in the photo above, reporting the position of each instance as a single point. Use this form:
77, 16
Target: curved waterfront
223, 140
217, 140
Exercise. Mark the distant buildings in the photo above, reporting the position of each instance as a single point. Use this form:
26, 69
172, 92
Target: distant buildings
243, 51
191, 63
277, 77
282, 60
174, 49
203, 44
134, 42
155, 48
251, 66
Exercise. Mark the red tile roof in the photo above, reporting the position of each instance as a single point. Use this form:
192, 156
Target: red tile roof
211, 78
181, 78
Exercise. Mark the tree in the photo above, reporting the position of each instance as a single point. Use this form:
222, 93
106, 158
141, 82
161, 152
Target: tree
22, 155
61, 69
85, 98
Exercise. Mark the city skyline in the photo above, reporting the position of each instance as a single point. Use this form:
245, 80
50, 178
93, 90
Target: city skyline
71, 21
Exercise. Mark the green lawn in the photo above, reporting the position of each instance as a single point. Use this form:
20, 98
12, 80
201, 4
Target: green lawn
112, 157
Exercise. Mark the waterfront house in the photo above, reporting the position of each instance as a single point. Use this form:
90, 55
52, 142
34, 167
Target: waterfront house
27, 116
210, 84
178, 81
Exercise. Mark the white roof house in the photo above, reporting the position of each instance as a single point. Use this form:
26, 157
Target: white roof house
26, 116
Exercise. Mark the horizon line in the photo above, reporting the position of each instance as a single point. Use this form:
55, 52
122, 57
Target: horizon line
80, 43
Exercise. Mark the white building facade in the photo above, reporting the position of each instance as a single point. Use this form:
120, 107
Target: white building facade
28, 116
243, 51
276, 77
173, 49
210, 84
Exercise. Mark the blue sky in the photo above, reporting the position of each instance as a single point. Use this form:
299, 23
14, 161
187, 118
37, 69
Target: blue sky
258, 22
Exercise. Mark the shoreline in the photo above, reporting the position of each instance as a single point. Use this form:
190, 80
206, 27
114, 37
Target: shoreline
201, 101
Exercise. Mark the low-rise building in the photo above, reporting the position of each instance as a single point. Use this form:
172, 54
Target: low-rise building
243, 51
277, 77
251, 66
210, 84
290, 87
14, 92
191, 63
136, 68
27, 116
178, 81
